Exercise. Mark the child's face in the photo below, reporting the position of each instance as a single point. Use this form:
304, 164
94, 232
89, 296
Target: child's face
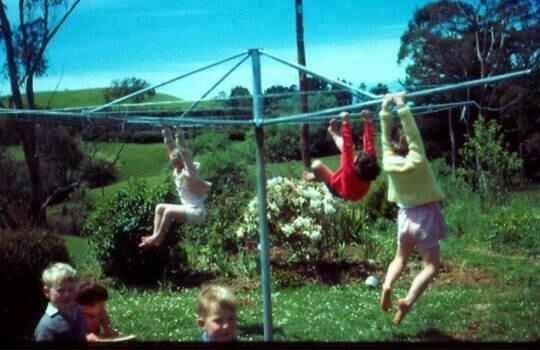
220, 324
177, 163
94, 310
62, 296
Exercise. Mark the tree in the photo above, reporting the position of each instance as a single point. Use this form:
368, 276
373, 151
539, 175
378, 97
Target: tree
126, 86
451, 41
240, 98
380, 89
343, 98
274, 104
25, 47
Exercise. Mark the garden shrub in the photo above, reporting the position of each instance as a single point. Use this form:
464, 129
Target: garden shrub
380, 243
211, 247
209, 142
307, 223
488, 165
227, 168
376, 203
98, 172
116, 227
23, 257
515, 230
300, 219
282, 143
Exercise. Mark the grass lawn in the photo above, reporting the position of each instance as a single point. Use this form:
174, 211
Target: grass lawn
480, 295
82, 97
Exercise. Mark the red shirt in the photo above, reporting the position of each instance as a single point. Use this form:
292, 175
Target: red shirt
345, 182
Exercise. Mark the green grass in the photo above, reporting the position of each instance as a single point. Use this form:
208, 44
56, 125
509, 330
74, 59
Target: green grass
347, 312
481, 295
485, 296
83, 97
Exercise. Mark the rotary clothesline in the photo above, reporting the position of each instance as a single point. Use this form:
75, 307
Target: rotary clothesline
233, 120
258, 122
205, 120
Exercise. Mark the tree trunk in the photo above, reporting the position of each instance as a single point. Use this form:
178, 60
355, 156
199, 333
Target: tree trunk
452, 142
304, 134
27, 132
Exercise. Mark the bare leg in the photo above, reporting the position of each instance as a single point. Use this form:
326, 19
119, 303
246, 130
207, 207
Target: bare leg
338, 140
395, 268
158, 215
322, 172
319, 172
171, 213
431, 259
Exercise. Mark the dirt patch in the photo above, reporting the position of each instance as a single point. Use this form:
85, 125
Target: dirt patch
471, 333
451, 275
325, 271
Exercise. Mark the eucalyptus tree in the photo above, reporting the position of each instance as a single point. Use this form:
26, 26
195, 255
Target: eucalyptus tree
26, 32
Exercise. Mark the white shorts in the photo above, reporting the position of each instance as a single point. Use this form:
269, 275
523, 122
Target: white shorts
192, 214
424, 225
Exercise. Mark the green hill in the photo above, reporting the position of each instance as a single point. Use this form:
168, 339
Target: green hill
83, 97
95, 97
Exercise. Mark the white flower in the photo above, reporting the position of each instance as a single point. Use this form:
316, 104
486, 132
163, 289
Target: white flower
240, 233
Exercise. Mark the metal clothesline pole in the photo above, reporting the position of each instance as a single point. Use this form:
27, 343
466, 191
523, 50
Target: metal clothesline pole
216, 84
261, 195
412, 94
330, 80
165, 83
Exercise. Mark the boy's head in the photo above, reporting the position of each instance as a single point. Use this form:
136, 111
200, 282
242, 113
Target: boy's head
60, 283
217, 313
92, 298
366, 166
398, 141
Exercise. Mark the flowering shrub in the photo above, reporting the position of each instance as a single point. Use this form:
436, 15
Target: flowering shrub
299, 216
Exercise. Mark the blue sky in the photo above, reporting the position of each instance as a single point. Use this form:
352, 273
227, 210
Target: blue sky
157, 40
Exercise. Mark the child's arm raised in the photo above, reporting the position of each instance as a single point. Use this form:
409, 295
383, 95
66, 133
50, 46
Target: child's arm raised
338, 140
410, 129
385, 115
168, 140
185, 153
415, 154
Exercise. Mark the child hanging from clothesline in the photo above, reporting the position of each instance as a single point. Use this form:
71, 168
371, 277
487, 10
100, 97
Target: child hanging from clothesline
351, 180
192, 191
412, 186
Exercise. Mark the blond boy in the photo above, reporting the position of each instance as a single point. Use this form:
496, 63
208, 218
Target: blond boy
217, 314
62, 320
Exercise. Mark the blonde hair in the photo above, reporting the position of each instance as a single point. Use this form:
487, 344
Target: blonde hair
57, 273
215, 295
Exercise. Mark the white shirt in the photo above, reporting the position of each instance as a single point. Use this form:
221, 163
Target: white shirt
186, 195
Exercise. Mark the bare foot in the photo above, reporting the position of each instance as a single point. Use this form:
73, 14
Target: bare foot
332, 126
386, 299
403, 309
308, 176
148, 241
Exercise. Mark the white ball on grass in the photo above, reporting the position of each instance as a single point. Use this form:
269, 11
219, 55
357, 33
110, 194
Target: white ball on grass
372, 281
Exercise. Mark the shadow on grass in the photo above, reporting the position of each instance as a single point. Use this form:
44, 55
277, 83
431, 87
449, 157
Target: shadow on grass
426, 335
257, 329
326, 272
193, 279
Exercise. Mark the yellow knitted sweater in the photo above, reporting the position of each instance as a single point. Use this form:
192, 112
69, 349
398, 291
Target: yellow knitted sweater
410, 179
